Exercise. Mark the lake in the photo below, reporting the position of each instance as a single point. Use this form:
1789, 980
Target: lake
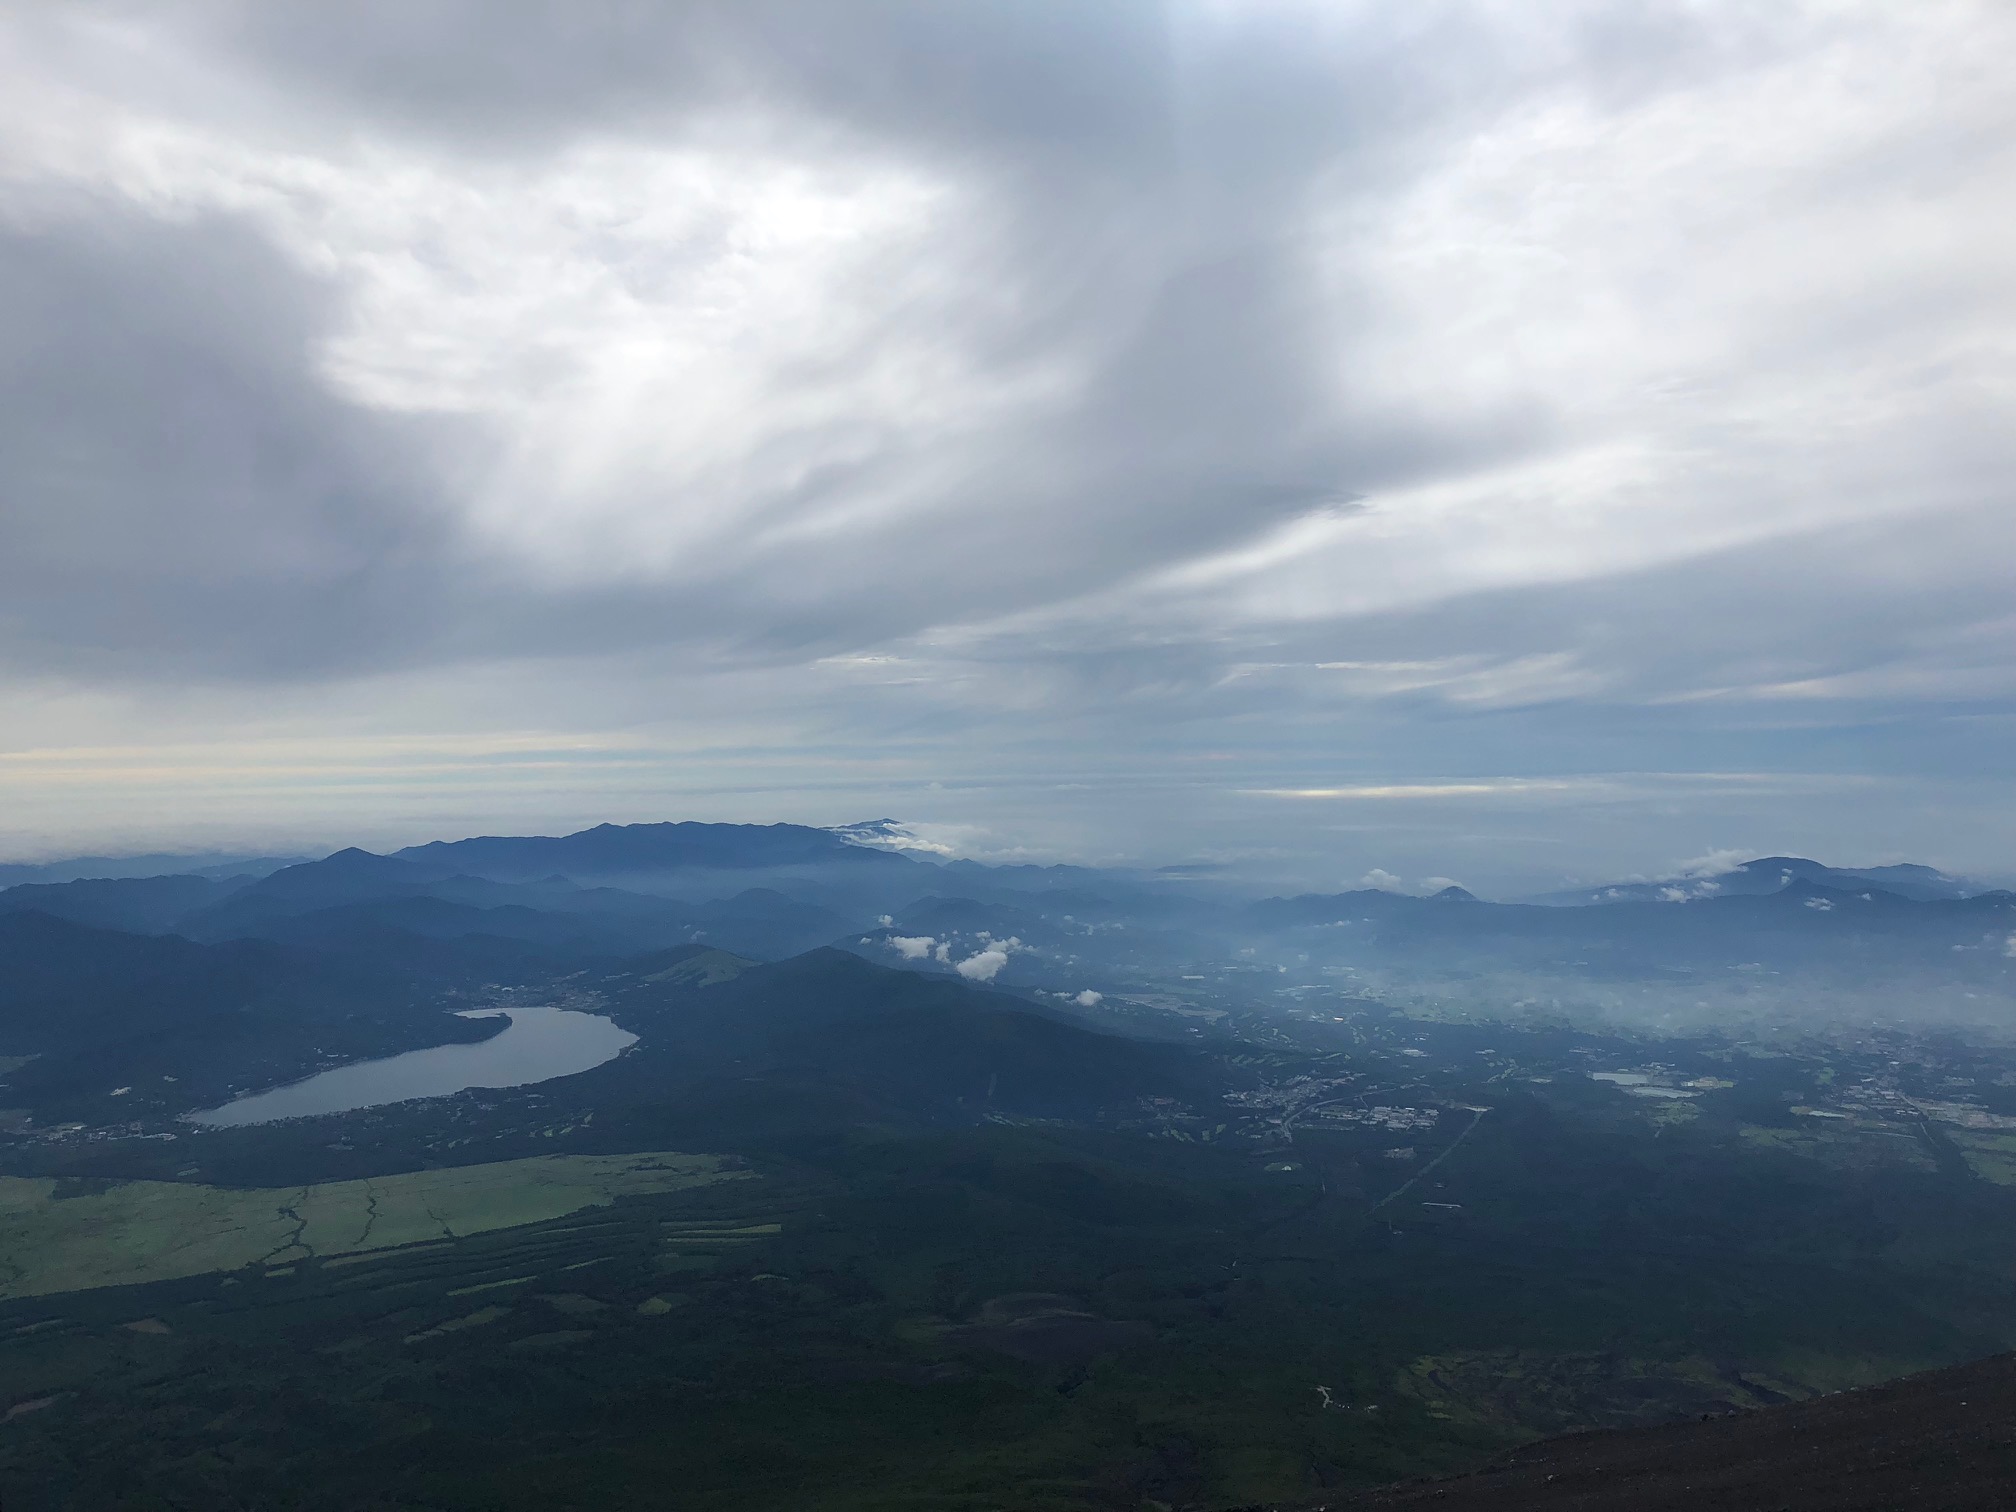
539, 1044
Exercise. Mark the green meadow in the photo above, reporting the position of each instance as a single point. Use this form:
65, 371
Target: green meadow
58, 1236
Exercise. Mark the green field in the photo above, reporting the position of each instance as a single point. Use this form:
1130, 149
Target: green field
60, 1236
1847, 1146
1989, 1155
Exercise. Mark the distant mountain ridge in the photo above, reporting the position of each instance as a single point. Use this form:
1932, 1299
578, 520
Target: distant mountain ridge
156, 864
768, 890
463, 914
616, 850
1770, 874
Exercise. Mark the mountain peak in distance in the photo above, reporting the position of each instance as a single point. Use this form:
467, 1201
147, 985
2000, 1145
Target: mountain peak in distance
1771, 874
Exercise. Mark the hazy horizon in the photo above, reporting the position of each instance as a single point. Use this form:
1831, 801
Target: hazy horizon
1253, 873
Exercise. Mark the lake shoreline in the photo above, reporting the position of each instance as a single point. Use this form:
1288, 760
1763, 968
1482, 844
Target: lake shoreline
535, 1044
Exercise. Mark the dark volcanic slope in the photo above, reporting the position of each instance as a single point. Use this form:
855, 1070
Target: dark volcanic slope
1940, 1442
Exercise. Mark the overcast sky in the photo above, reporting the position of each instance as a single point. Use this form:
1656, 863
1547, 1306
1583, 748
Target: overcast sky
1506, 441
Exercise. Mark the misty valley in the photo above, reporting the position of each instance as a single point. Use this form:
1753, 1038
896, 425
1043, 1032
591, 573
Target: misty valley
767, 1166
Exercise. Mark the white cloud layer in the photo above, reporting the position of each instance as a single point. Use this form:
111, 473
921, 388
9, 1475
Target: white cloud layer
1119, 417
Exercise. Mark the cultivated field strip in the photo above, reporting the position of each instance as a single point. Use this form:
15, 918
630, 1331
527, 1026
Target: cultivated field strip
133, 1232
610, 1273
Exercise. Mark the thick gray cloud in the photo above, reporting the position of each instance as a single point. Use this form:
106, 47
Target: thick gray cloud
181, 494
1006, 394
